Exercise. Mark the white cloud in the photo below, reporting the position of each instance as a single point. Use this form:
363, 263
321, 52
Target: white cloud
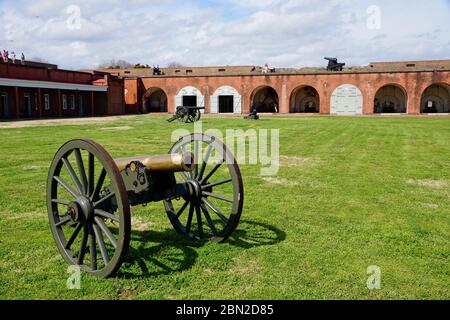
283, 33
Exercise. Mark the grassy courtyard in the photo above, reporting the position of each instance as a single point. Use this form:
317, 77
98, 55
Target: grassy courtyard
350, 193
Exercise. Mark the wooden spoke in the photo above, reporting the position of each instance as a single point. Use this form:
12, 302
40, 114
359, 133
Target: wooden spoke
180, 212
196, 158
217, 196
212, 185
80, 164
83, 247
63, 221
216, 211
91, 173
103, 227
63, 202
199, 221
67, 187
99, 202
101, 244
205, 162
73, 236
212, 172
209, 220
73, 175
93, 248
106, 215
99, 185
189, 221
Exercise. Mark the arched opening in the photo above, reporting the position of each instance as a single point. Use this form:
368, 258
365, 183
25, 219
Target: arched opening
305, 99
436, 99
265, 100
226, 99
155, 100
390, 99
189, 97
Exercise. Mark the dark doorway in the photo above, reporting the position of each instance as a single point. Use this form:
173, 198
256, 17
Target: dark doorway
226, 104
81, 105
390, 99
4, 112
305, 100
26, 107
157, 101
436, 99
265, 100
189, 101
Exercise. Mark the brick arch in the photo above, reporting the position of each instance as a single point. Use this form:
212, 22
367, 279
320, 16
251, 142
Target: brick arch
155, 99
226, 90
265, 99
190, 90
435, 98
297, 103
388, 99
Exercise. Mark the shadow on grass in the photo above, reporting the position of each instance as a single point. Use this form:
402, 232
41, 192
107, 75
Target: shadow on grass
256, 234
153, 254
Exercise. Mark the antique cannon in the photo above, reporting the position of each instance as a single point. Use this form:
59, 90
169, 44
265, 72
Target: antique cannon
89, 195
333, 64
187, 114
253, 115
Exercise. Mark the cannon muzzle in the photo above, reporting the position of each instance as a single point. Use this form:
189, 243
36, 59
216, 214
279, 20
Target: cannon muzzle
177, 162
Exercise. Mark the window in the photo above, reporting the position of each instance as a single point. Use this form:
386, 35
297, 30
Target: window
411, 65
4, 104
81, 105
188, 71
72, 102
64, 102
222, 70
47, 101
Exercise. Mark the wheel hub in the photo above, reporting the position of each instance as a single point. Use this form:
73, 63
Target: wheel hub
195, 190
82, 210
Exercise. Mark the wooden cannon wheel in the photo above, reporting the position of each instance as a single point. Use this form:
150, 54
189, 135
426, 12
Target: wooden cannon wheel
215, 210
82, 178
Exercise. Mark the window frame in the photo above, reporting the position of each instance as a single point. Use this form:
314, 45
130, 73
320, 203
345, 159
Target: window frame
64, 102
72, 102
47, 105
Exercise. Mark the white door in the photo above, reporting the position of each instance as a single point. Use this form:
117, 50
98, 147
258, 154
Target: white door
347, 100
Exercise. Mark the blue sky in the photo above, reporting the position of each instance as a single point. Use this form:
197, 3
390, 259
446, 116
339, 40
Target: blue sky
283, 33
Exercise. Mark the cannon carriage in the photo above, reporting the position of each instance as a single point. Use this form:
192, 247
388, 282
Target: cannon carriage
89, 195
187, 114
334, 65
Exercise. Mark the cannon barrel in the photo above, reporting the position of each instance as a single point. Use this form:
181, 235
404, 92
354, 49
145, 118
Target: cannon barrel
169, 163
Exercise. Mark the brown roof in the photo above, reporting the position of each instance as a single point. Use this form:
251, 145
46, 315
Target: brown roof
374, 67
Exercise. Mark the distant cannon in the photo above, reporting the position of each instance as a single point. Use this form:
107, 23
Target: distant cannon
187, 114
334, 65
253, 115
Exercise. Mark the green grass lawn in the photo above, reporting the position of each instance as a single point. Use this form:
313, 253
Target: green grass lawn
351, 192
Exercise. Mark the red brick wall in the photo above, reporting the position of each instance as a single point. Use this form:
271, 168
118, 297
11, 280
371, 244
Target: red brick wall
115, 97
414, 83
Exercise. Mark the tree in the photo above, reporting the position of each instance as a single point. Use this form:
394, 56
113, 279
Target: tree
174, 65
116, 64
39, 59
